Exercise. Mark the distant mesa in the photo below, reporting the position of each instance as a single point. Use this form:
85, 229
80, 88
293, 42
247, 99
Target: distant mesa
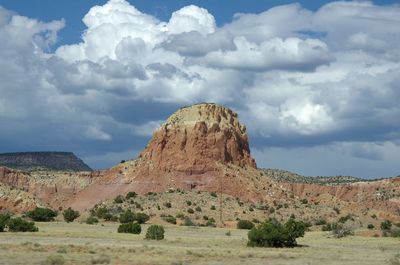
52, 161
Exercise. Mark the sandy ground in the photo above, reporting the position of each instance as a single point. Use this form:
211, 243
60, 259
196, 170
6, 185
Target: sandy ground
93, 244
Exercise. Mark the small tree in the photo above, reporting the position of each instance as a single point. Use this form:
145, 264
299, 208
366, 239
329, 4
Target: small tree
130, 194
132, 228
70, 215
141, 218
386, 225
155, 232
91, 220
274, 234
119, 199
126, 217
245, 224
41, 214
20, 225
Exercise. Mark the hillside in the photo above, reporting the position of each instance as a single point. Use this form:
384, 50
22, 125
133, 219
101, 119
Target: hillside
33, 161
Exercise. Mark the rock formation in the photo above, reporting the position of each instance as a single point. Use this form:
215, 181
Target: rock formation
32, 161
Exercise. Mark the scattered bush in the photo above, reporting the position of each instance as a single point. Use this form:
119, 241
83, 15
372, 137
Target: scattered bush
180, 216
213, 208
213, 194
168, 204
101, 212
274, 234
190, 210
130, 194
126, 217
41, 214
336, 210
228, 233
198, 209
321, 222
244, 224
211, 222
370, 226
91, 220
54, 260
70, 215
271, 210
141, 218
20, 225
170, 219
386, 225
132, 228
3, 221
119, 199
344, 219
155, 232
304, 201
189, 203
327, 227
339, 230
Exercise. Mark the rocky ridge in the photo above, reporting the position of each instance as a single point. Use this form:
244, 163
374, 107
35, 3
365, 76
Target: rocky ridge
33, 161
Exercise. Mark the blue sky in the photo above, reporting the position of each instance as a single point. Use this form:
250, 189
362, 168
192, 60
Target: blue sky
316, 82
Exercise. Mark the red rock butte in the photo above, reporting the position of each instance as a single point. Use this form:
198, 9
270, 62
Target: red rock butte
194, 138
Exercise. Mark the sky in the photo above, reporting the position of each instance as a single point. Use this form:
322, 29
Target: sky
317, 83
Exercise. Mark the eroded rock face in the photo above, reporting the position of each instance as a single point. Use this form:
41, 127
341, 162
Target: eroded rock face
194, 138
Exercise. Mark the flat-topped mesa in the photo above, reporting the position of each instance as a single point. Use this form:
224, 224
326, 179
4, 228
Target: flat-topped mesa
194, 138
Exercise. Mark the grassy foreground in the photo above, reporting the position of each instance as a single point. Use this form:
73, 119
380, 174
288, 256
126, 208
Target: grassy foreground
101, 244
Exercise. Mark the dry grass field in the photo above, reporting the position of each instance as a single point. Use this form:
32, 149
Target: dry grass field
76, 243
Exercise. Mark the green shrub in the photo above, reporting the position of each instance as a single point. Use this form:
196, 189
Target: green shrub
168, 204
189, 203
126, 217
327, 227
213, 208
190, 210
180, 216
386, 225
370, 226
41, 214
244, 224
336, 210
211, 222
70, 215
170, 219
100, 212
271, 210
20, 225
344, 219
274, 234
141, 218
155, 232
213, 194
91, 220
304, 201
130, 194
198, 209
321, 222
119, 199
54, 260
3, 221
132, 228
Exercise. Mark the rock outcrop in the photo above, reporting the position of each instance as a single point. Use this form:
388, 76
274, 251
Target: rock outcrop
194, 138
32, 161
